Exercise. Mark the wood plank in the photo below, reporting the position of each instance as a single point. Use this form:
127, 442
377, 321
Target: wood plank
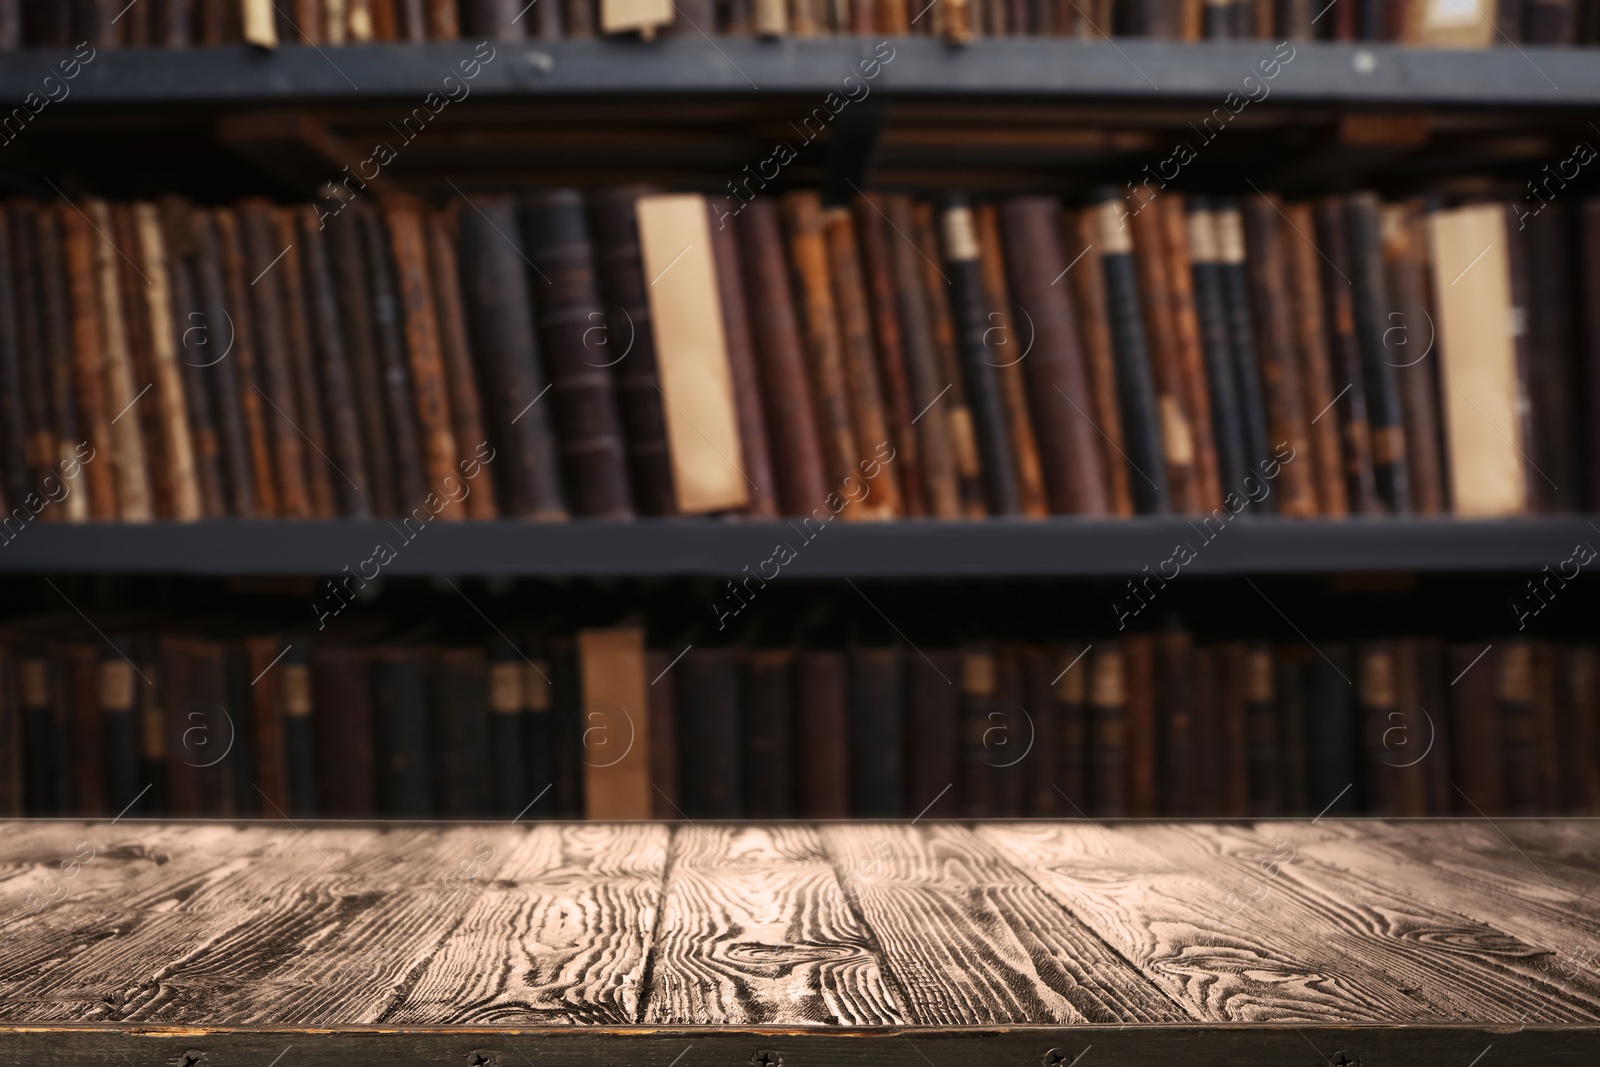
756, 930
967, 940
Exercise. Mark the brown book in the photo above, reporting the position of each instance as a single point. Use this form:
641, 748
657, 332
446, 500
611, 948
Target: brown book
58, 331
1405, 271
194, 674
385, 19
791, 424
130, 294
1191, 362
87, 361
933, 711
347, 261
1178, 444
17, 474
937, 450
755, 454
282, 414
1206, 749
1305, 299
412, 19
830, 392
1344, 348
1233, 722
626, 289
1384, 787
1474, 730
77, 693
1578, 728
1038, 668
271, 764
1287, 422
408, 242
177, 445
616, 735
587, 424
1528, 765
346, 450
443, 22
1108, 711
246, 360
178, 233
320, 475
343, 727
1078, 238
663, 715
1007, 347
1371, 300
959, 416
877, 743
466, 411
822, 696
1141, 739
877, 265
307, 24
867, 407
1176, 739
985, 725
579, 20
398, 389
1073, 668
40, 446
497, 20
1264, 747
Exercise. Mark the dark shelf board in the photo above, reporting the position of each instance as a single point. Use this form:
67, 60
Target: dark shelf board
1132, 69
988, 549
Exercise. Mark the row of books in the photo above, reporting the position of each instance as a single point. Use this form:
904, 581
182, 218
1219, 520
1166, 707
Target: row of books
184, 23
592, 724
626, 352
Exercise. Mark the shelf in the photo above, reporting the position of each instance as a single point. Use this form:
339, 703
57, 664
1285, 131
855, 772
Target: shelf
989, 549
1133, 69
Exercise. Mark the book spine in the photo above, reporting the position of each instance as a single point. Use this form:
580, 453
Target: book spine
1331, 730
320, 472
1058, 382
1141, 738
1234, 276
710, 777
246, 360
1552, 377
495, 20
1261, 733
822, 699
347, 260
1043, 762
1177, 743
664, 756
959, 416
1108, 712
466, 407
638, 383
933, 721
1292, 752
1191, 361
86, 359
402, 754
1521, 767
579, 21
984, 725
1080, 236
1305, 293
1383, 389
754, 447
270, 767
506, 700
41, 785
461, 697
130, 290
615, 741
1579, 729
299, 737
444, 20
41, 447
178, 238
1177, 438
344, 733
390, 346
543, 728
213, 396
15, 473
1403, 265
796, 449
1361, 491
56, 288
1233, 735
767, 713
177, 444
877, 733
588, 429
1521, 295
1073, 667
1136, 392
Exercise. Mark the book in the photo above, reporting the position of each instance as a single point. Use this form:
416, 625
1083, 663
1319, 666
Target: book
755, 452
710, 774
1310, 334
616, 724
1405, 279
1080, 237
1178, 448
876, 758
1361, 491
883, 292
1371, 305
822, 697
466, 405
767, 726
1233, 461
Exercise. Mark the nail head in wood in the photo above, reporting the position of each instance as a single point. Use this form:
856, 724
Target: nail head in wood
1055, 1057
766, 1058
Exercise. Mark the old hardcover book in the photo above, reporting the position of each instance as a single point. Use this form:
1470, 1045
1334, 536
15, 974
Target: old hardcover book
1519, 270
588, 428
1107, 734
461, 726
1234, 277
1141, 736
1080, 238
16, 477
389, 342
117, 692
1173, 217
932, 724
200, 779
935, 436
412, 20
346, 447
260, 23
985, 726
1371, 302
466, 407
877, 732
1478, 380
42, 785
578, 18
1042, 765
57, 334
959, 417
84, 339
1474, 730
1578, 728
1305, 300
1176, 743
616, 725
299, 731
767, 722
178, 238
270, 769
870, 421
347, 257
663, 738
1233, 461
871, 226
1289, 696
443, 20
247, 358
551, 697
822, 700
755, 453
645, 17
1379, 707
1232, 681
496, 20
508, 793
177, 444
1070, 671
1179, 447
710, 773
40, 447
402, 744
77, 702
629, 284
343, 729
1287, 421
791, 424
1263, 745
131, 294
320, 475
404, 220
1361, 491
1405, 279
1551, 375
696, 389
1528, 770
1057, 379
1447, 24
1136, 393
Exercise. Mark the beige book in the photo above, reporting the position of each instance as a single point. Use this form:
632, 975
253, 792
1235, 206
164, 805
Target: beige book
132, 477
1448, 23
260, 23
1478, 382
646, 16
771, 18
615, 742
691, 353
176, 441
335, 21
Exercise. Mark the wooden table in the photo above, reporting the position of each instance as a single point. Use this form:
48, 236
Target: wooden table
1461, 944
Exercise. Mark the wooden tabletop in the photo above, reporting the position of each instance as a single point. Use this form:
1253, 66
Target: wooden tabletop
1281, 942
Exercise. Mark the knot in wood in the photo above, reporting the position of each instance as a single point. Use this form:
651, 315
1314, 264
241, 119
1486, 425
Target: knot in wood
766, 1058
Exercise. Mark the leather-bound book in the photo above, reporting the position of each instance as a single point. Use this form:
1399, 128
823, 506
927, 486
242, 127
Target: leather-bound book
173, 24
1141, 738
1397, 734
343, 729
1289, 696
1205, 664
1371, 301
877, 733
1179, 447
1550, 22
1361, 491
663, 702
466, 407
1527, 773
1316, 380
347, 258
402, 749
40, 447
1521, 285
1474, 730
1552, 377
878, 266
767, 714
15, 476
1287, 421
552, 712
1431, 690
299, 732
959, 416
177, 444
616, 724
199, 784
1406, 284
1232, 680
96, 22
246, 802
1019, 730
997, 462
1263, 753
1043, 762
245, 358
1080, 238
755, 455
306, 24
578, 19
1136, 393
1578, 728
1073, 669
359, 21
320, 476
736, 18
413, 20
933, 737
1176, 742
411, 479
120, 284
710, 772
1479, 384
259, 23
281, 413
1057, 379
588, 429
78, 709
868, 411
1108, 712
326, 350
495, 286
117, 691
936, 448
219, 22
1233, 462
508, 792
178, 239
803, 17
1332, 731
695, 389
1233, 273
1191, 361
822, 699
694, 17
77, 244
443, 20
404, 220
791, 425
41, 784
270, 769
1017, 337
385, 19
56, 331
495, 20
985, 727
830, 391
624, 288
461, 726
